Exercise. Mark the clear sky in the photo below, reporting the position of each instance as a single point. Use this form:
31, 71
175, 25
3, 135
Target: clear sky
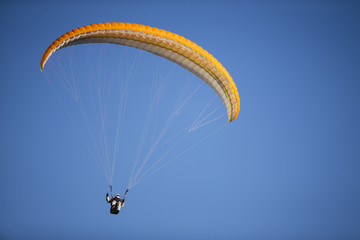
287, 168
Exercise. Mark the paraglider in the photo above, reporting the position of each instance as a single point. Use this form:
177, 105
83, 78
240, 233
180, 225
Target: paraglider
116, 203
165, 44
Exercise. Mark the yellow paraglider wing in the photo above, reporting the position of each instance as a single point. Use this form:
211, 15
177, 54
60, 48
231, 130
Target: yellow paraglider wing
162, 43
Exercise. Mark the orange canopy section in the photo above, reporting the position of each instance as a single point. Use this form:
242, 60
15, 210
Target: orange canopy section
162, 43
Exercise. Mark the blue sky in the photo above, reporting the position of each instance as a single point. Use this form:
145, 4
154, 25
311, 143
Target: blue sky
287, 168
